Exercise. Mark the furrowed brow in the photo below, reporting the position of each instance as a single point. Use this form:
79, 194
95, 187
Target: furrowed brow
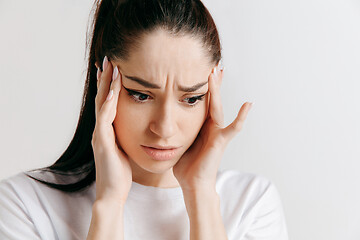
154, 86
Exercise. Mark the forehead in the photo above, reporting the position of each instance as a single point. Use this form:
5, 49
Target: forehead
162, 56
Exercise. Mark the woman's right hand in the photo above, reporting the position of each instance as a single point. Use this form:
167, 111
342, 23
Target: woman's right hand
113, 171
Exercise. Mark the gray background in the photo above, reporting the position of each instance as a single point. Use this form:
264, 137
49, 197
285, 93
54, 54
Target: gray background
298, 61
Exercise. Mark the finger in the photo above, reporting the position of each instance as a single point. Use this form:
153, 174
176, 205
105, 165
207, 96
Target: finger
216, 109
109, 108
222, 75
108, 113
104, 84
98, 75
230, 131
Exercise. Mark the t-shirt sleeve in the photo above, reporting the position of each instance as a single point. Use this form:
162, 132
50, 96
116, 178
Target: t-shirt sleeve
15, 223
269, 219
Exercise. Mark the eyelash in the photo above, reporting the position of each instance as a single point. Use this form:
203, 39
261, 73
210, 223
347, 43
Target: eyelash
132, 94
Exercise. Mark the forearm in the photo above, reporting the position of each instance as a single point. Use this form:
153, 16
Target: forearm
107, 221
203, 207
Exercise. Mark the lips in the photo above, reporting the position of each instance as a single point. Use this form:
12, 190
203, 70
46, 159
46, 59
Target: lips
161, 147
161, 153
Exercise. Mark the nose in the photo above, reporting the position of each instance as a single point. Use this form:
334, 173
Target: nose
164, 123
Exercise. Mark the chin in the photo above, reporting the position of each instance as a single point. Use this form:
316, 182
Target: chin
156, 167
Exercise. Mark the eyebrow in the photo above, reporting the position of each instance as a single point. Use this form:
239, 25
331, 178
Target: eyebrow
152, 85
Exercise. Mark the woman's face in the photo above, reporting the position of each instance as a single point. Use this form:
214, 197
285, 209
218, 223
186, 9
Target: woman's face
161, 112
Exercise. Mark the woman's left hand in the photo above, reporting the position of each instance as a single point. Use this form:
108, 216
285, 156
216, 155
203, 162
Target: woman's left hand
198, 166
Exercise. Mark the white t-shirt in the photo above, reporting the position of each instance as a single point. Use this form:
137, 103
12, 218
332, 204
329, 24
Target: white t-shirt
251, 209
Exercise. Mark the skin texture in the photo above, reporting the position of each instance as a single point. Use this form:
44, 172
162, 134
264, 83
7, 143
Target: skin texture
165, 118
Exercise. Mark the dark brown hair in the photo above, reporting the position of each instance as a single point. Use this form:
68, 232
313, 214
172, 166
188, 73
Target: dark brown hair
117, 28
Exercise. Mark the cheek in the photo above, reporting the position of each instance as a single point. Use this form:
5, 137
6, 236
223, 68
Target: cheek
126, 123
127, 115
192, 120
203, 110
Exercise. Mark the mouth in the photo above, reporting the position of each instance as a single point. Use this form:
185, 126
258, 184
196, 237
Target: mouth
161, 153
161, 147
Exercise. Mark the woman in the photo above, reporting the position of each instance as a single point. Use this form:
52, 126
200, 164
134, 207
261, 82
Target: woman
152, 127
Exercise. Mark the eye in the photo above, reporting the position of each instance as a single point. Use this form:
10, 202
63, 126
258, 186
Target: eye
194, 100
137, 96
141, 97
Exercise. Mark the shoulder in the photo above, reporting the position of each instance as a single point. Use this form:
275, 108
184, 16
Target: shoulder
14, 184
235, 181
18, 191
253, 190
15, 220
19, 185
29, 209
23, 189
253, 202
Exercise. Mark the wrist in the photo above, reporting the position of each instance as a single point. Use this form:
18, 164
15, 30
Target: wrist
107, 220
199, 190
102, 205
201, 196
111, 197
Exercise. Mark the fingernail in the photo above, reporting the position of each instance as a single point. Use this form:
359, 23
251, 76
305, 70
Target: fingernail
115, 73
221, 65
105, 63
98, 74
216, 71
